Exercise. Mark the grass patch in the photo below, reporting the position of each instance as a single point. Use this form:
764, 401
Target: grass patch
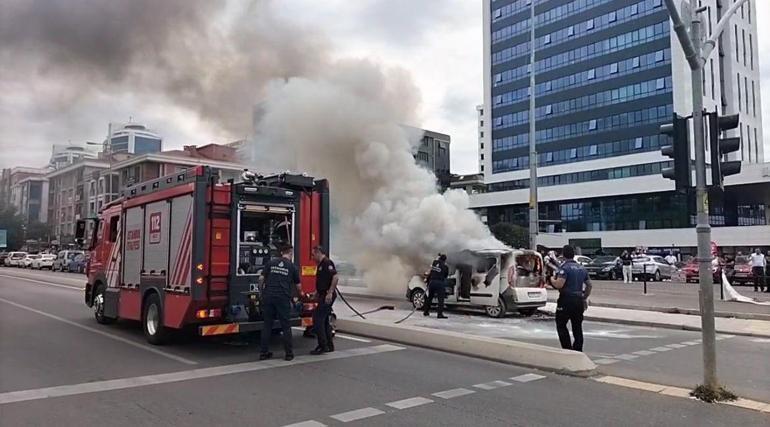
711, 395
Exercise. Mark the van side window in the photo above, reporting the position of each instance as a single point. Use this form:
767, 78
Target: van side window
114, 228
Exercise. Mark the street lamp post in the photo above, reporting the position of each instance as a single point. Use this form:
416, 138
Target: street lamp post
107, 148
533, 208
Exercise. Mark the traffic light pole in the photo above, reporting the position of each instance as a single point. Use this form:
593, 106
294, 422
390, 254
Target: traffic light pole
703, 229
696, 56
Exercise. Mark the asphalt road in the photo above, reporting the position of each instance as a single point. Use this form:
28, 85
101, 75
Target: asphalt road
58, 367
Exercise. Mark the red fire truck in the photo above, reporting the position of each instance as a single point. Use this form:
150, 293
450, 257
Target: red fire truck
187, 251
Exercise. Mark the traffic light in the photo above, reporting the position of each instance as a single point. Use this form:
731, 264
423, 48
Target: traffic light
679, 151
722, 146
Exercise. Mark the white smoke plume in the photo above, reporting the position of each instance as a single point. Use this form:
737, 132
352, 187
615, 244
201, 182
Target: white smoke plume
344, 124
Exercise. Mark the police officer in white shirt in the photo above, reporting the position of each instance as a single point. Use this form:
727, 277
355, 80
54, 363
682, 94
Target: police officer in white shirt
758, 266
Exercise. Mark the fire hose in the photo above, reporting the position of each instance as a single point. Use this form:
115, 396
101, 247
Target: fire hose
359, 314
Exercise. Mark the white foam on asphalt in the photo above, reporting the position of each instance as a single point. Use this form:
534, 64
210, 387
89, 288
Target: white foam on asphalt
356, 415
193, 374
605, 361
102, 333
626, 356
409, 403
455, 392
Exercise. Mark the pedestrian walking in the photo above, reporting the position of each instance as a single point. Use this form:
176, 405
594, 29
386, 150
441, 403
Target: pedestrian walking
671, 258
437, 281
627, 259
325, 293
281, 281
574, 287
758, 266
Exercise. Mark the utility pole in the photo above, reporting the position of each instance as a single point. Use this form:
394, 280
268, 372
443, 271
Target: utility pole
534, 214
696, 54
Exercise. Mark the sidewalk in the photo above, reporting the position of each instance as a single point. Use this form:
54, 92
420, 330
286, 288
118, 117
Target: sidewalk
672, 297
753, 328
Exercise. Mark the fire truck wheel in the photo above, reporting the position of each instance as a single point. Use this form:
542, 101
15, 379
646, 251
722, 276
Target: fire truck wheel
152, 321
99, 306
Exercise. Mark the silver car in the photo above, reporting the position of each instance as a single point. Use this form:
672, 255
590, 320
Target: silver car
652, 267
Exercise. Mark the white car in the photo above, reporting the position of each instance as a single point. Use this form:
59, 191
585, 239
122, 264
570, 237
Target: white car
652, 268
28, 260
497, 280
44, 261
15, 258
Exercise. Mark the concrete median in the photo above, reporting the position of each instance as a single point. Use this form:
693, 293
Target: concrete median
499, 350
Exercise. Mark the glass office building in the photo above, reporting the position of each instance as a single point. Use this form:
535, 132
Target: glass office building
608, 73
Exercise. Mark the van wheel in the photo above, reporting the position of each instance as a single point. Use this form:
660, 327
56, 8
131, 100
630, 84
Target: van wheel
528, 312
496, 311
152, 321
418, 299
98, 307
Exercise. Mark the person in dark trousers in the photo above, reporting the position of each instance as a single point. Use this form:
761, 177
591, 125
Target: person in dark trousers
326, 292
627, 260
437, 281
573, 299
758, 270
281, 280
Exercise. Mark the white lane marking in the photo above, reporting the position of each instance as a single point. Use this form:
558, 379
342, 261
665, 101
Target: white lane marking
103, 333
409, 403
661, 349
643, 353
761, 340
676, 346
172, 377
690, 342
492, 385
43, 283
528, 377
606, 361
344, 337
358, 414
348, 337
626, 356
455, 392
309, 423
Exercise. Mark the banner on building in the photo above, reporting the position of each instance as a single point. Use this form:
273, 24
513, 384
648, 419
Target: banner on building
3, 239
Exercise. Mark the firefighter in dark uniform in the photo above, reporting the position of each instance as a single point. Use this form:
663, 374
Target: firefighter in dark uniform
437, 281
281, 280
326, 292
573, 299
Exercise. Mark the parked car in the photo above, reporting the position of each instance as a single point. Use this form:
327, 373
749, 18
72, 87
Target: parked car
3, 256
43, 261
605, 267
78, 264
742, 273
652, 267
63, 259
14, 258
582, 260
691, 274
28, 260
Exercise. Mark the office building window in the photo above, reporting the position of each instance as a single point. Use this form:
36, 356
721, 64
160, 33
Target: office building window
548, 109
743, 33
749, 7
592, 125
590, 24
573, 153
591, 74
753, 98
748, 136
746, 91
638, 143
751, 51
613, 16
660, 83
594, 150
614, 68
738, 88
570, 31
736, 43
743, 144
635, 62
659, 56
634, 9
756, 142
711, 61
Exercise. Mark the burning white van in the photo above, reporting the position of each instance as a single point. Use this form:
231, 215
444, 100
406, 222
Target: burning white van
498, 280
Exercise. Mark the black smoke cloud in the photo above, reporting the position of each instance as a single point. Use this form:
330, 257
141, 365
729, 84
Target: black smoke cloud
211, 57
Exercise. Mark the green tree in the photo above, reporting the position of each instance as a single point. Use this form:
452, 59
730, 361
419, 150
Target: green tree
11, 221
512, 235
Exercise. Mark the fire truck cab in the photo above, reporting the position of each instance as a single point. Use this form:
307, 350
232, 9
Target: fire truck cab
186, 251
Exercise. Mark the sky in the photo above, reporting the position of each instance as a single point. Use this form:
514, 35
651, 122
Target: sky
75, 68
